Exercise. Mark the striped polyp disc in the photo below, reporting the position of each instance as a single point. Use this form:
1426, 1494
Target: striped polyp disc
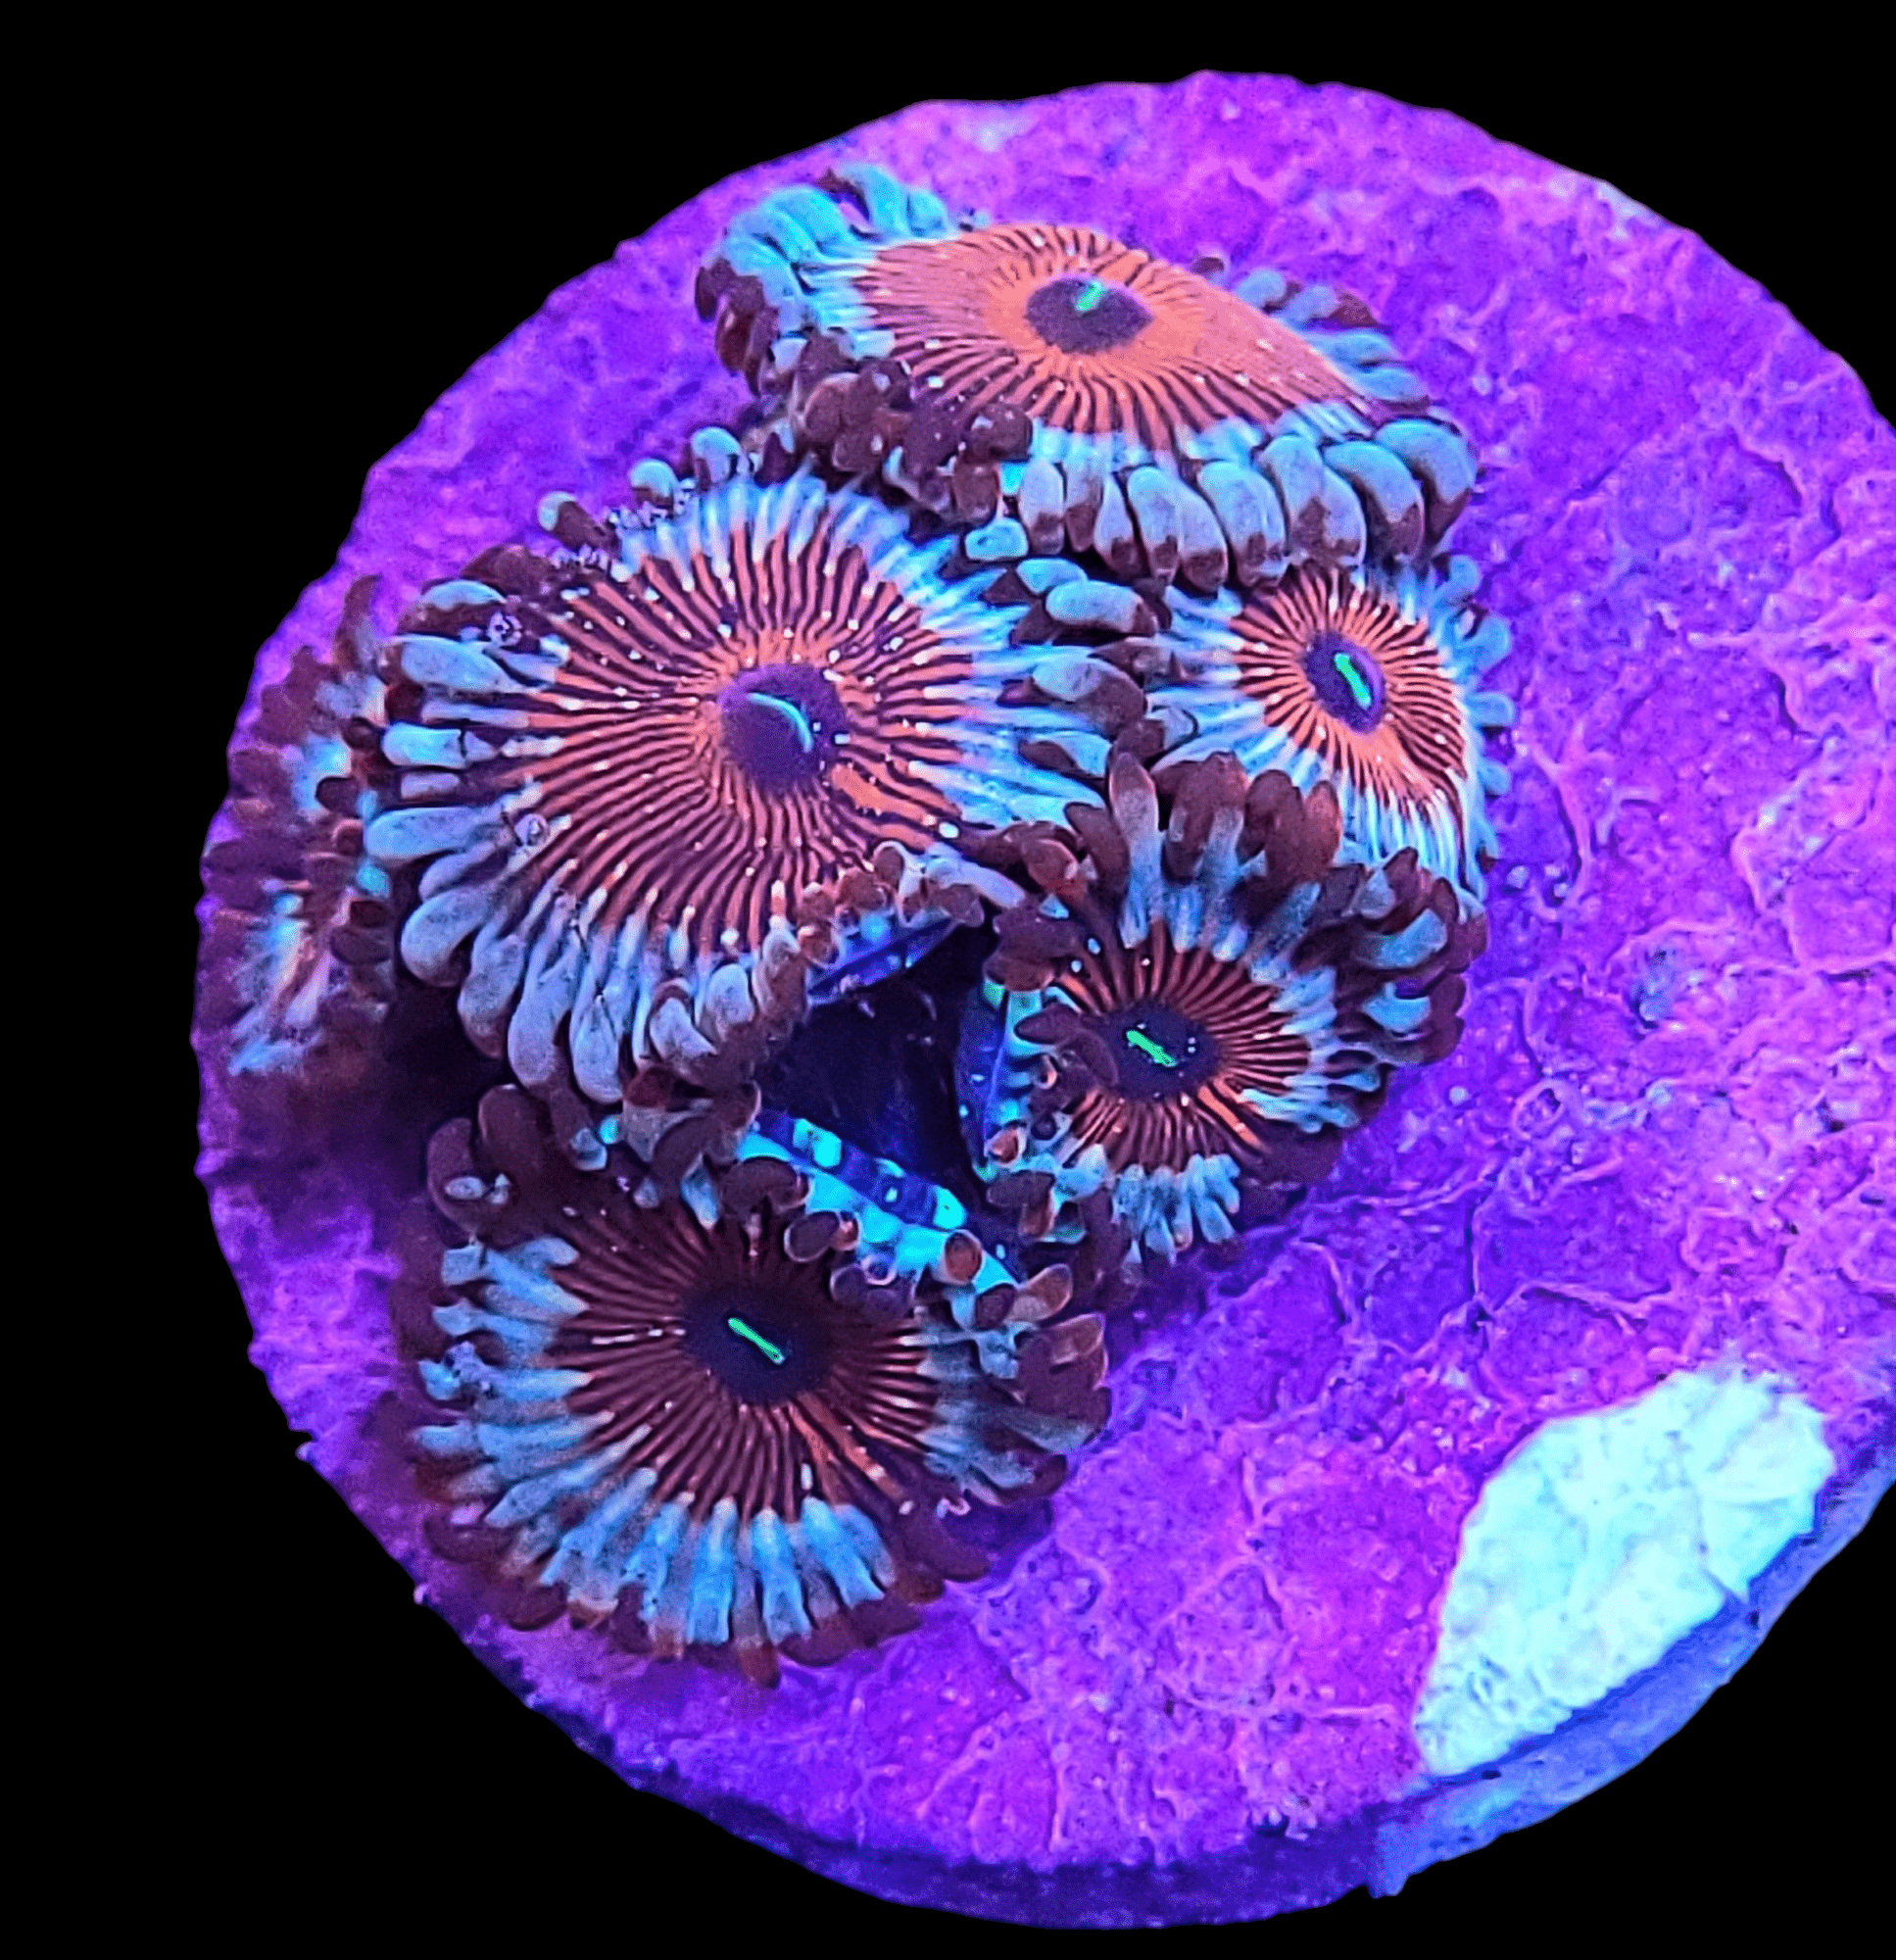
764, 696
754, 735
1041, 382
1363, 682
1086, 335
1192, 1040
1206, 1000
731, 1368
763, 723
710, 1420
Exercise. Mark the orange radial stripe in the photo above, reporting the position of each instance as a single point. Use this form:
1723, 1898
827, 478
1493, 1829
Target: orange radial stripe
643, 775
866, 1418
1421, 750
956, 308
1255, 1050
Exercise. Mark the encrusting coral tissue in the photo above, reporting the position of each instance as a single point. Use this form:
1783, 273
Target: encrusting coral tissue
1149, 828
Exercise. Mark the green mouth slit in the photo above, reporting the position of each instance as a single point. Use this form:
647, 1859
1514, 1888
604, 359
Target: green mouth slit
1352, 679
746, 1332
794, 715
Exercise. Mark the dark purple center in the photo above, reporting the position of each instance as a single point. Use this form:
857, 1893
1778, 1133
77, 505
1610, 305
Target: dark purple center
1156, 1051
1347, 680
1085, 316
782, 724
762, 1346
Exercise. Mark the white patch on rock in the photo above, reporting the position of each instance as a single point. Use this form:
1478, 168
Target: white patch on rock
1601, 1542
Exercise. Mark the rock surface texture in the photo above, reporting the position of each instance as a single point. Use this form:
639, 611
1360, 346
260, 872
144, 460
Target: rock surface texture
1666, 1143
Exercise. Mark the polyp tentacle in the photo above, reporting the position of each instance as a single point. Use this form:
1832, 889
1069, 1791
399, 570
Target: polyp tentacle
1200, 1002
673, 795
734, 1421
1043, 384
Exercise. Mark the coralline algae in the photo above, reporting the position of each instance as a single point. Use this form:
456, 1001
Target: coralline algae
1662, 1154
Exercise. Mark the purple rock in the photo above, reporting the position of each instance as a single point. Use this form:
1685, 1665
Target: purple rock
1664, 1144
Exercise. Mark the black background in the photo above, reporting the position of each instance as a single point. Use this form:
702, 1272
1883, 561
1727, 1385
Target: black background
323, 1738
